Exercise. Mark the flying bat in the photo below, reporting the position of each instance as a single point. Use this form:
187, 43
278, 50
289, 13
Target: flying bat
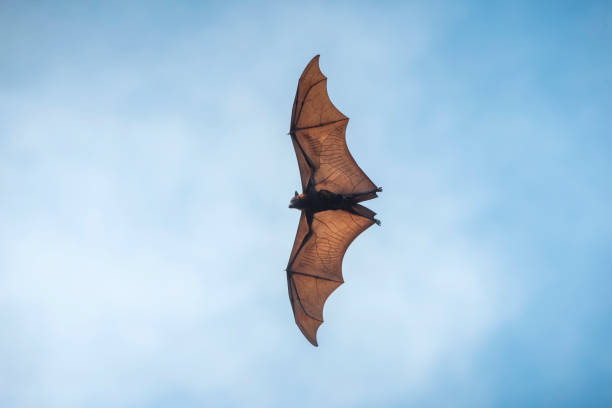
332, 186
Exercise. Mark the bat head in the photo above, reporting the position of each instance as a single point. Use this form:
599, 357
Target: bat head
295, 200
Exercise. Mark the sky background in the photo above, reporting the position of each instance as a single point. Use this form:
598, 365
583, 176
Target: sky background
145, 174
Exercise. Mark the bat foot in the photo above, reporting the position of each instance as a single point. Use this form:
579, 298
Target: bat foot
379, 189
377, 221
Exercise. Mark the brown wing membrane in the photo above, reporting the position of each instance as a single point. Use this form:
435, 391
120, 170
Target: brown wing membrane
315, 266
318, 134
305, 169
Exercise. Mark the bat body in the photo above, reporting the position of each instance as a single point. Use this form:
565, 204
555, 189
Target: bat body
324, 200
332, 186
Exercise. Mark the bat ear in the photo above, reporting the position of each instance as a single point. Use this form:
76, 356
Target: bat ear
296, 194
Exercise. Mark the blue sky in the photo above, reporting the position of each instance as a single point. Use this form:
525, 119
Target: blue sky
145, 174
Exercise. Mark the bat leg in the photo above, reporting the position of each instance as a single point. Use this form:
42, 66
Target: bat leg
364, 193
376, 190
376, 220
363, 196
364, 212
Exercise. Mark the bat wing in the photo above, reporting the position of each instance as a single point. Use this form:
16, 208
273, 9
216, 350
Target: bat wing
315, 265
318, 133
